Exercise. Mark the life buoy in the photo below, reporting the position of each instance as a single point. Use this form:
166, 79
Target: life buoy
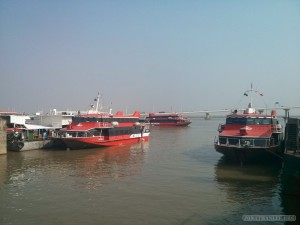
20, 145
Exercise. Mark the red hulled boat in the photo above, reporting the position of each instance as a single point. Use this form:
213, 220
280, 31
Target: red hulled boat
95, 129
167, 119
250, 135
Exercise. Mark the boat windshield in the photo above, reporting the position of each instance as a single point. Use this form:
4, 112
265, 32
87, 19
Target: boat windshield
245, 121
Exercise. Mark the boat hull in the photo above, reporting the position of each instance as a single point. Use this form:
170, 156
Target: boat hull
29, 145
170, 124
94, 142
250, 154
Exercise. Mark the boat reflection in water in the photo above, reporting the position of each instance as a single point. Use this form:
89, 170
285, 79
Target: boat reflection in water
112, 163
254, 189
89, 169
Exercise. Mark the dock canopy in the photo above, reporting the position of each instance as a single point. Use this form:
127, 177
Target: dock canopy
37, 127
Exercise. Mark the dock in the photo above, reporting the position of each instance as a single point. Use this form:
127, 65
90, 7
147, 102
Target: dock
3, 148
291, 160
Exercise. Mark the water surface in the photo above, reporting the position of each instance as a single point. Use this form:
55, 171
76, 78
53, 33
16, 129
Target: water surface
175, 178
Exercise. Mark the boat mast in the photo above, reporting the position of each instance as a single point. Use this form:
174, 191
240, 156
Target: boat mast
97, 103
251, 99
250, 106
246, 94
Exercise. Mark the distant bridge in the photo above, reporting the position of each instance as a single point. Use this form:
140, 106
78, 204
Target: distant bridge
209, 112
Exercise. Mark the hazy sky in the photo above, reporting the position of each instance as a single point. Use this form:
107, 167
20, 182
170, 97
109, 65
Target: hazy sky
144, 55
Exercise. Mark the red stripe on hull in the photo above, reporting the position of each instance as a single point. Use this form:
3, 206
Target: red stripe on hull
92, 142
171, 124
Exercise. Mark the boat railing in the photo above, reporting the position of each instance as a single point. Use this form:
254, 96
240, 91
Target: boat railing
221, 127
277, 128
246, 142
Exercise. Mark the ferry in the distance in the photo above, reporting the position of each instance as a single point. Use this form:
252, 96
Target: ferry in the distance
250, 135
96, 129
167, 119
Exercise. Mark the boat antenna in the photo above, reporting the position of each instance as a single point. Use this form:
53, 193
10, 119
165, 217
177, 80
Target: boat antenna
250, 91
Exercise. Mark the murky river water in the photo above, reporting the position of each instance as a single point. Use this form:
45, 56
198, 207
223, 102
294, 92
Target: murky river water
175, 178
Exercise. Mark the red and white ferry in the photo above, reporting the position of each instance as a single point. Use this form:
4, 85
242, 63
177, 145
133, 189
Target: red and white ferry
96, 129
250, 135
167, 119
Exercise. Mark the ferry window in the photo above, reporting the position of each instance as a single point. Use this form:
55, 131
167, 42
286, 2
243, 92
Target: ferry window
236, 120
250, 121
266, 121
259, 121
229, 121
80, 134
76, 119
222, 140
253, 121
91, 133
104, 132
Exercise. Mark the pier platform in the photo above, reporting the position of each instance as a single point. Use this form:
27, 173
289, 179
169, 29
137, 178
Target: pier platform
3, 147
291, 173
291, 160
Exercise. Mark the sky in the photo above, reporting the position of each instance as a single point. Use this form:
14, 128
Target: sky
155, 55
